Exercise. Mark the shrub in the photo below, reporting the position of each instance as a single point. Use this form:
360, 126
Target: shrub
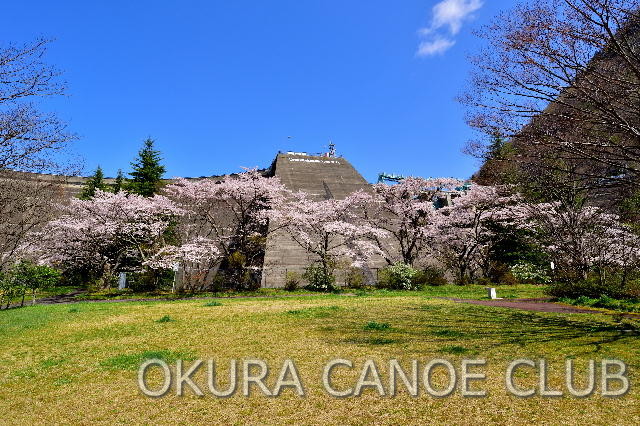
500, 273
484, 281
592, 287
239, 273
217, 283
632, 289
319, 279
429, 276
8, 289
292, 281
529, 273
508, 279
354, 278
26, 277
398, 276
150, 280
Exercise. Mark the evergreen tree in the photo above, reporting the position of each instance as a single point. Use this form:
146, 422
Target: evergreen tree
93, 183
147, 171
119, 183
498, 146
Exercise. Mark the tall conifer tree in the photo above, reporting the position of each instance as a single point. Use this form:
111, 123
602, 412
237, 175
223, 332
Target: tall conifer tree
119, 183
146, 176
93, 183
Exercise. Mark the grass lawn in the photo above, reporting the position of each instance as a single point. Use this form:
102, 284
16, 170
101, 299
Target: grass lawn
78, 363
467, 292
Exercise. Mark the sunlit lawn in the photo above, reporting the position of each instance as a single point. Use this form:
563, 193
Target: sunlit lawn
468, 291
78, 363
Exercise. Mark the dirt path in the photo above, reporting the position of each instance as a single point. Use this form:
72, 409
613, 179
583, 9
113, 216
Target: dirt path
538, 305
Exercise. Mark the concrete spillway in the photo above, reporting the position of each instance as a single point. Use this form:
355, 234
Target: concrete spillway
320, 177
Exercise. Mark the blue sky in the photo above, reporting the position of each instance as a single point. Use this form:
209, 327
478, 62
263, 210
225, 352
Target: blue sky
224, 84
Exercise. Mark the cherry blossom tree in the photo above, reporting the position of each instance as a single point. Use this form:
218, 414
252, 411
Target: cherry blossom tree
462, 233
192, 260
107, 234
580, 238
406, 212
229, 214
27, 203
329, 229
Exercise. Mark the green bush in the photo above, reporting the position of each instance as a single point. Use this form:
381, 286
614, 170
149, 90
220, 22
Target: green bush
148, 280
354, 278
429, 276
592, 287
500, 273
292, 281
398, 276
26, 277
8, 290
319, 278
239, 273
528, 273
484, 281
632, 289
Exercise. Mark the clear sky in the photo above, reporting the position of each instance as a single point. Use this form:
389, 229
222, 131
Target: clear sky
222, 84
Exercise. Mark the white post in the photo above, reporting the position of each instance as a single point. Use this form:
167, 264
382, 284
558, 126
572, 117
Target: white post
491, 293
122, 281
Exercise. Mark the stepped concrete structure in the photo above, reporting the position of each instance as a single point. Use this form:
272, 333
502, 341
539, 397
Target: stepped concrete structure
323, 177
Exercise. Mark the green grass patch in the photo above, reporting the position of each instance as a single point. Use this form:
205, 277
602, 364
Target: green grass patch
62, 381
315, 312
377, 326
449, 333
213, 303
521, 291
382, 341
52, 362
455, 350
133, 361
605, 302
164, 319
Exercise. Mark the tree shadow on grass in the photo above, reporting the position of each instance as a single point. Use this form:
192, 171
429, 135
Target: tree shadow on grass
481, 328
499, 326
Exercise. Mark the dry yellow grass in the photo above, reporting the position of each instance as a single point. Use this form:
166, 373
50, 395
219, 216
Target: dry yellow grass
77, 363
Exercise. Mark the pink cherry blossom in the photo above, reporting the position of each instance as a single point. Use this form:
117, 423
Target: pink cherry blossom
108, 233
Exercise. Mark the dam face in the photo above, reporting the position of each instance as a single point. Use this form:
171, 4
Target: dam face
323, 178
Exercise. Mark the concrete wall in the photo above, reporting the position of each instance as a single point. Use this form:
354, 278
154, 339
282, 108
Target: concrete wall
322, 178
